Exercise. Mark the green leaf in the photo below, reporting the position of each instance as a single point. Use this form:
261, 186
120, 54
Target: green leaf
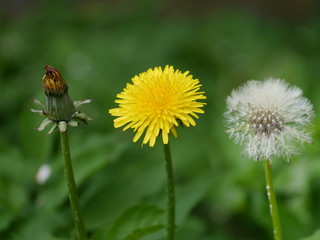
124, 184
137, 222
41, 224
189, 195
13, 181
89, 155
315, 236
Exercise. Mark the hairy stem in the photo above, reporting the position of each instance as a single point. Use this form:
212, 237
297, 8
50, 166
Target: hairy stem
170, 193
272, 202
73, 194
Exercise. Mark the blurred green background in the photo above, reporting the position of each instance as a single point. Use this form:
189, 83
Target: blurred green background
98, 46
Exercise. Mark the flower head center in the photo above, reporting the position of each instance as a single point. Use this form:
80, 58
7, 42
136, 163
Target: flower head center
266, 122
161, 99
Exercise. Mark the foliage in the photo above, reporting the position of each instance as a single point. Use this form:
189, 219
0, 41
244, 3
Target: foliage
220, 195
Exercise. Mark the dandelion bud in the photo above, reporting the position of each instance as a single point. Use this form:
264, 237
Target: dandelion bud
53, 82
59, 104
59, 108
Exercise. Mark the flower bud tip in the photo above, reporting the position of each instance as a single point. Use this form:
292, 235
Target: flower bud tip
53, 82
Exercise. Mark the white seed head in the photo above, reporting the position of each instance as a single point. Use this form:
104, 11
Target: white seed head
269, 118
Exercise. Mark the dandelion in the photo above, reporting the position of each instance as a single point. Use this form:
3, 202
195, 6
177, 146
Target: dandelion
59, 109
269, 119
62, 112
155, 103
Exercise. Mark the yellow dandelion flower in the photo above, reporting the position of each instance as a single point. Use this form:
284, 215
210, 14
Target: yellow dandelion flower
156, 101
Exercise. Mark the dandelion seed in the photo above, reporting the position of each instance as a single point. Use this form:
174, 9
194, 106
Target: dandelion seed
278, 117
156, 101
43, 173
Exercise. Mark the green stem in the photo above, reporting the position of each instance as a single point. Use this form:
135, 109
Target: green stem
170, 193
73, 195
272, 202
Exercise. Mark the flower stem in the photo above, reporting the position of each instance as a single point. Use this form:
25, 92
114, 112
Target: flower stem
272, 202
170, 193
73, 195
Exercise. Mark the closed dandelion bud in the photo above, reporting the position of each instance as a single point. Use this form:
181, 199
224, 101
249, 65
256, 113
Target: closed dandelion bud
59, 108
58, 102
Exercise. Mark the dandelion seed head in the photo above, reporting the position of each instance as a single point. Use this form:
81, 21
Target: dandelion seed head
269, 118
156, 102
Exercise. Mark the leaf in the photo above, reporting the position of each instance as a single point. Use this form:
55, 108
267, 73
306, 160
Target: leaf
89, 155
134, 223
189, 195
41, 224
124, 184
13, 178
315, 236
137, 222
